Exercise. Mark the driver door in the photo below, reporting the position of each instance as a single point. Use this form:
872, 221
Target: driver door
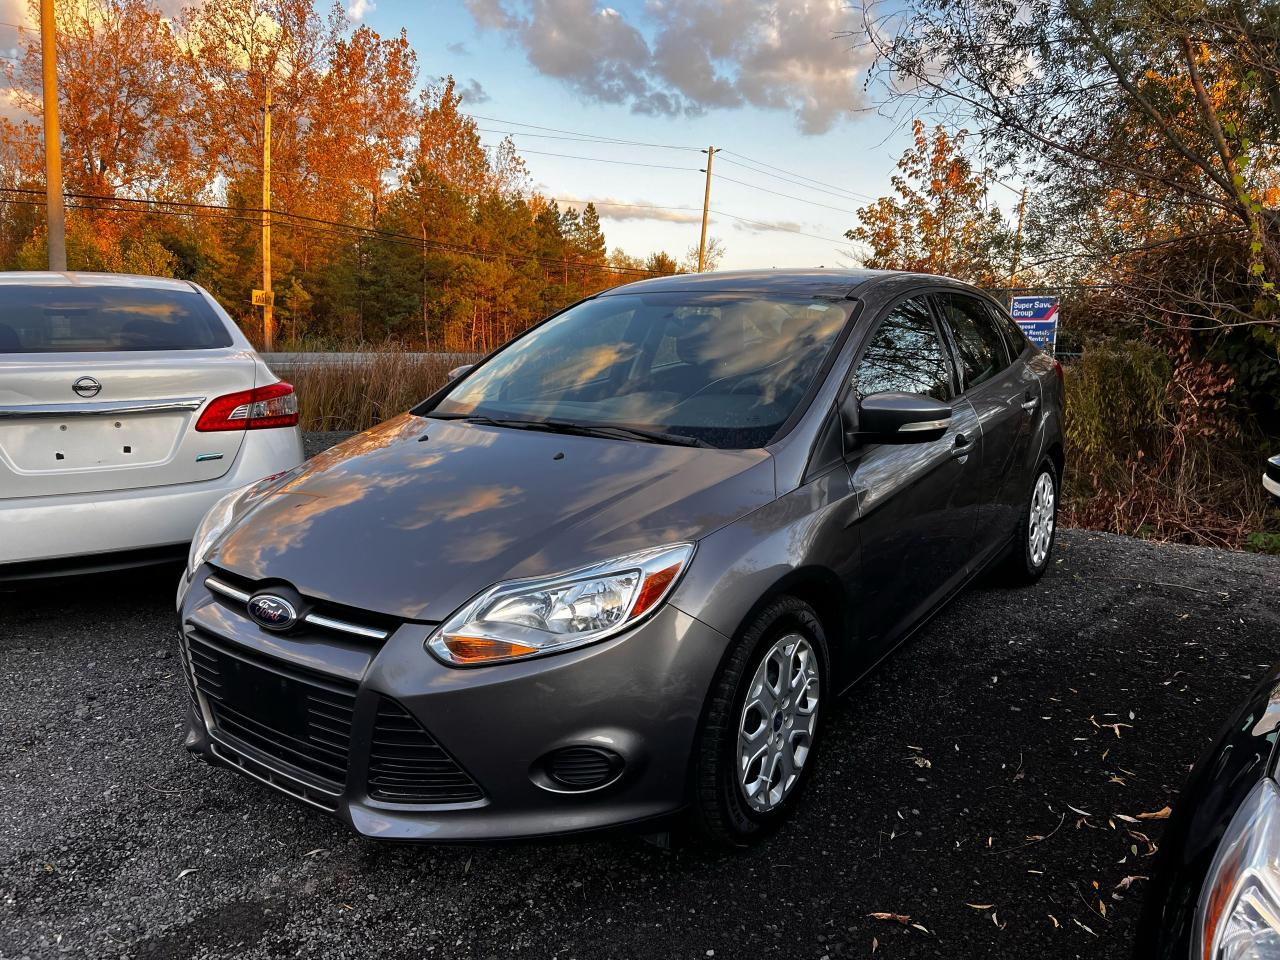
918, 502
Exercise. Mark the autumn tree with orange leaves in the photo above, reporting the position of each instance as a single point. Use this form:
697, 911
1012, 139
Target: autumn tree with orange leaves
392, 219
940, 221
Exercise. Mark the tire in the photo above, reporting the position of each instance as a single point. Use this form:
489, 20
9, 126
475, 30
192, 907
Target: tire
1028, 557
725, 814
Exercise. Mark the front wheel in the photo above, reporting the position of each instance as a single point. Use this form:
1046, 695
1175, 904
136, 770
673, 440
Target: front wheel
756, 746
1029, 554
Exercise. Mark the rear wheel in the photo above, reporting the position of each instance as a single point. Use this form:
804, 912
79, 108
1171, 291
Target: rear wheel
1032, 545
756, 747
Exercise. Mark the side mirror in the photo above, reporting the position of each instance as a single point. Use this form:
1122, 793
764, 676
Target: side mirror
456, 372
896, 418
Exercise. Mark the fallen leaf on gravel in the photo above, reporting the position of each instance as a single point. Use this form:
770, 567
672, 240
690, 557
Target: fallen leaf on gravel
980, 906
996, 921
1086, 929
921, 927
184, 873
1055, 920
875, 944
902, 918
1079, 811
1127, 882
312, 853
1162, 814
1126, 818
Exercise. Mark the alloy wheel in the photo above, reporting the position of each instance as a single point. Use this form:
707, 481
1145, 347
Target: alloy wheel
1040, 527
779, 717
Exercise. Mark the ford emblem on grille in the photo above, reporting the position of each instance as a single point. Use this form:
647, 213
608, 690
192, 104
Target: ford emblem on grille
272, 612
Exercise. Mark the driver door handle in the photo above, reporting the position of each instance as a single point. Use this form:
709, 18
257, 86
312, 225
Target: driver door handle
963, 446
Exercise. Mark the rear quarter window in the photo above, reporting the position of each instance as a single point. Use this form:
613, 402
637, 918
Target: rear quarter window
46, 319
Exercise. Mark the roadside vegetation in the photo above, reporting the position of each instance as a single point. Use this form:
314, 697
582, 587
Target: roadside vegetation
357, 392
1138, 168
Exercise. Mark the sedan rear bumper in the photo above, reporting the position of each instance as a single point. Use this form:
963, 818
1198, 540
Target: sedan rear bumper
401, 747
42, 529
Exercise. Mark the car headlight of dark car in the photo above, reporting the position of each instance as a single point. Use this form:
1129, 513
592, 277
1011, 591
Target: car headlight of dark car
1239, 912
529, 618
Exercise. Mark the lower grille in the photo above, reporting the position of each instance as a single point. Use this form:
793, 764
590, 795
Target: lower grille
277, 715
583, 768
407, 766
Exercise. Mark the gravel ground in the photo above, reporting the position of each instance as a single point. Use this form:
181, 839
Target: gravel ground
971, 785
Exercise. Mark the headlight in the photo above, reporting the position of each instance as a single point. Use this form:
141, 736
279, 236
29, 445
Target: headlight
1238, 917
526, 618
213, 525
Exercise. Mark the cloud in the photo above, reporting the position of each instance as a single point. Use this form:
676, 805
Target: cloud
357, 10
611, 208
687, 57
473, 94
768, 226
458, 49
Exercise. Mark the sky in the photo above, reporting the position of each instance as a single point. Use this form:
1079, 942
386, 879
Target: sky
769, 83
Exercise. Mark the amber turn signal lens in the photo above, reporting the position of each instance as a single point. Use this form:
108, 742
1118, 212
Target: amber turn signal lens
655, 585
481, 650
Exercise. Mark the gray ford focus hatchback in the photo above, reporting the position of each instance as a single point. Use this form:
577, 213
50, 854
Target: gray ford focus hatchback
619, 569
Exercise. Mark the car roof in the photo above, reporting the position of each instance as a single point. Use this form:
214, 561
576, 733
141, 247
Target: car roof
48, 278
814, 282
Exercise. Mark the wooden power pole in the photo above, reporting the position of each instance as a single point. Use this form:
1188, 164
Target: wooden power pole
52, 139
706, 204
268, 297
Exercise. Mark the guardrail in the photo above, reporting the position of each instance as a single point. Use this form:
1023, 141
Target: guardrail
280, 360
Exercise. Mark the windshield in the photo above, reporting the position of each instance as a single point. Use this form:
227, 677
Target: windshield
726, 370
48, 319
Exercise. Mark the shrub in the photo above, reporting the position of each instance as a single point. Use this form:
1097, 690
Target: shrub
1157, 448
358, 392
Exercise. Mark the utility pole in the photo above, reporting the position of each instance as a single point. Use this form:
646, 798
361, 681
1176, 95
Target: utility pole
426, 330
1017, 243
52, 139
268, 298
706, 203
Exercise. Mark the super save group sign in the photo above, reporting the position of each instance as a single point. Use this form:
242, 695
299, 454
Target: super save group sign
1038, 318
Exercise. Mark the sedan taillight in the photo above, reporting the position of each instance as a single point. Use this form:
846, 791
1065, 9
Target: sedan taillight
275, 405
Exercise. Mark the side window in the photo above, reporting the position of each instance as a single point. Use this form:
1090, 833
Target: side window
1013, 335
980, 344
905, 355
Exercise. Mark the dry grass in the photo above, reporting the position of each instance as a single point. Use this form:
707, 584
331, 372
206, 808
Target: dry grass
355, 394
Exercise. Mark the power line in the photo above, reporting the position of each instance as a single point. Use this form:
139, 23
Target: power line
799, 176
625, 163
591, 136
335, 227
756, 186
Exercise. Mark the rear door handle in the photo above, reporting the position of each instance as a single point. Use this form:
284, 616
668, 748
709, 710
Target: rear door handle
1031, 403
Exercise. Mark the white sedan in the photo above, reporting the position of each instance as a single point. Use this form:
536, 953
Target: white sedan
128, 406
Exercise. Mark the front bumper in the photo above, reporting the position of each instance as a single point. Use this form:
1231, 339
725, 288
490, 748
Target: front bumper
639, 695
1271, 477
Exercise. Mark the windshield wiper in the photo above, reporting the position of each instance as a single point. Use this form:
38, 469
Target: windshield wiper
624, 433
574, 428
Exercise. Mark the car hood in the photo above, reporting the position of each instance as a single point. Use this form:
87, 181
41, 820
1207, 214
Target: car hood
416, 516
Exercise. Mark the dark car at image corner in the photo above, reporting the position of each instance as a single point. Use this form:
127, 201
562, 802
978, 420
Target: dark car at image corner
618, 570
1215, 892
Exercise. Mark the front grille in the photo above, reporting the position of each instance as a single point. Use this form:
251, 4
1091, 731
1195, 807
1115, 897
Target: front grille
233, 591
407, 766
278, 715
